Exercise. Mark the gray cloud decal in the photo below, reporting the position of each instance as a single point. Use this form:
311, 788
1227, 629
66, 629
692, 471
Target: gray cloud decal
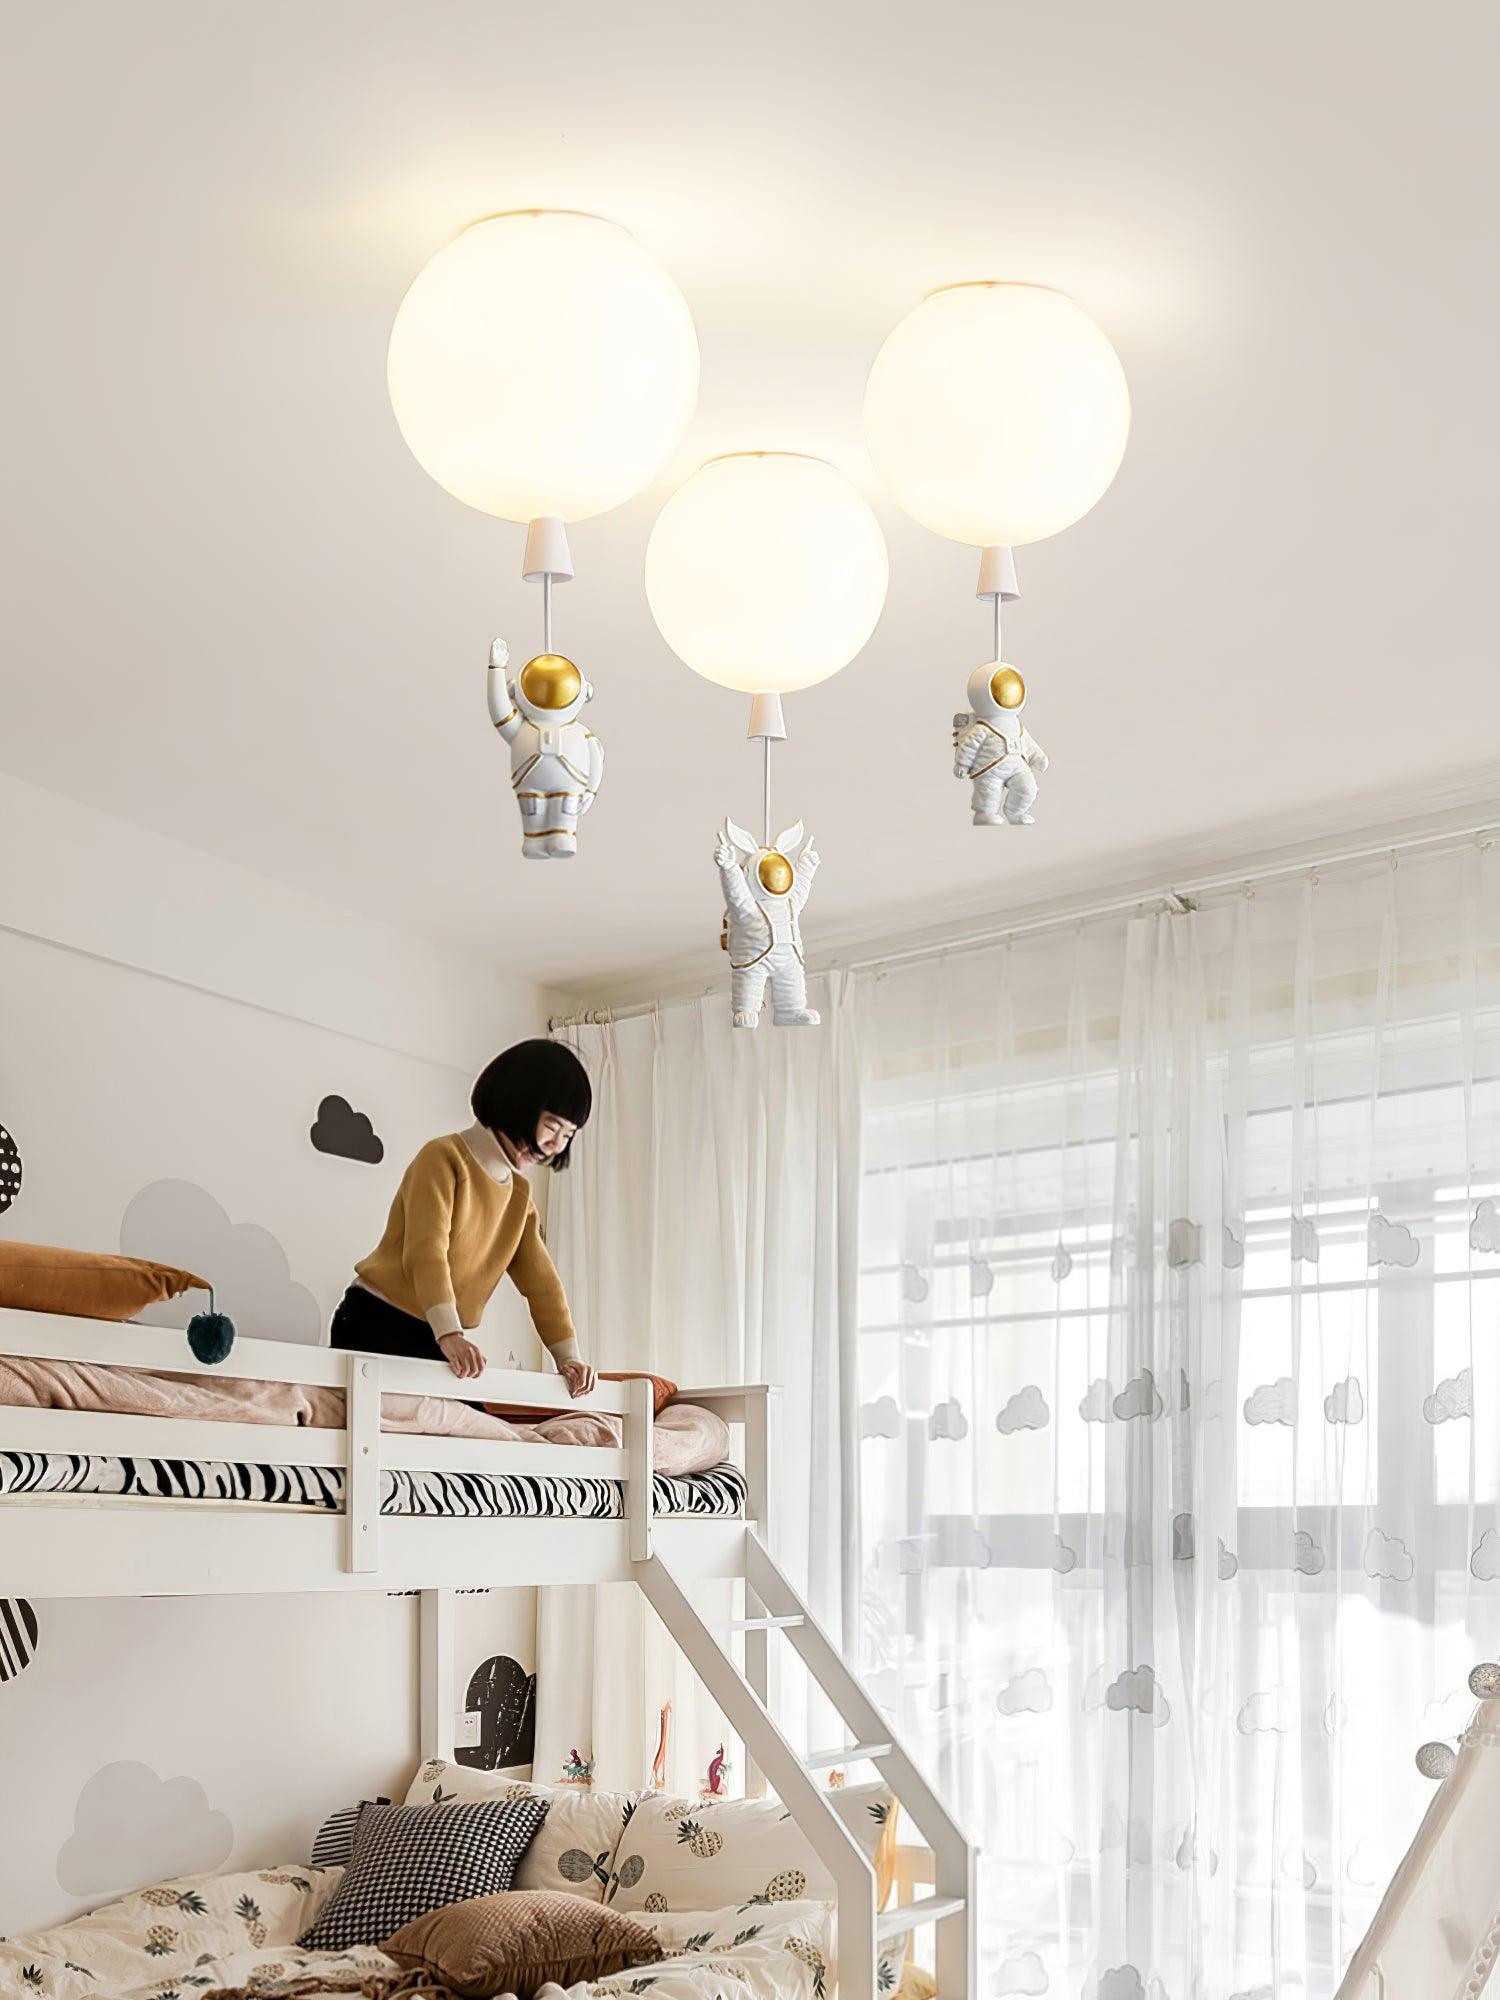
1098, 1405
1345, 1402
1027, 1694
947, 1420
1307, 1553
131, 1826
1388, 1557
1184, 1243
1391, 1243
1272, 1403
1026, 1411
1305, 1246
1139, 1398
1452, 1398
1484, 1227
1023, 1974
880, 1419
176, 1222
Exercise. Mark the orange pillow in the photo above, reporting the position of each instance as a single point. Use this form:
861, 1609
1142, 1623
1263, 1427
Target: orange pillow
38, 1278
662, 1392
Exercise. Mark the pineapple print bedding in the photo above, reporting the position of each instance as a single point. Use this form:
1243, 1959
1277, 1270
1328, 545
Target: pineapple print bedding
186, 1938
183, 1938
674, 1855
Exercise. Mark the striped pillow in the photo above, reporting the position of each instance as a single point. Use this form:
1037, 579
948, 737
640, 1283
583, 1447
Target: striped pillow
335, 1837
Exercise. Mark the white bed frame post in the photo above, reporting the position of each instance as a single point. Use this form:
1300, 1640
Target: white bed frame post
436, 1675
760, 1419
362, 1429
640, 1442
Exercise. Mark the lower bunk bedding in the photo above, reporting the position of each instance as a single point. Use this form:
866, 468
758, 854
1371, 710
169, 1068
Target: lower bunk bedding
232, 1936
718, 1493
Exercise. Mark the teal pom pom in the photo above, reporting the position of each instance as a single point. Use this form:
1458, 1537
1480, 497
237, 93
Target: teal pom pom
210, 1335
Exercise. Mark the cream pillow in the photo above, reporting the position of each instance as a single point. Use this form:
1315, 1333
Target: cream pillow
575, 1850
678, 1856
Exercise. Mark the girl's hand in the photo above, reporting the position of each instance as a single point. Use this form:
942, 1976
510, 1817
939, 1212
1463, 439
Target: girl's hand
580, 1378
462, 1356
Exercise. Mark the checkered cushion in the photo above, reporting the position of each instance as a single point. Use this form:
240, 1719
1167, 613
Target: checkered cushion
408, 1860
335, 1839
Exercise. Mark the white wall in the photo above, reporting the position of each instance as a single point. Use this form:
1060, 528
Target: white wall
165, 1017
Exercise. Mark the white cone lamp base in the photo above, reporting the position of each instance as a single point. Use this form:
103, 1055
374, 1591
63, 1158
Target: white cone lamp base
766, 718
997, 574
547, 551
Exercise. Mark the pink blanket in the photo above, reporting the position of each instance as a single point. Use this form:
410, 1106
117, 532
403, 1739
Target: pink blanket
688, 1439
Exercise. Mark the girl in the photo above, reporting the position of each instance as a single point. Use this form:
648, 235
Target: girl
463, 1217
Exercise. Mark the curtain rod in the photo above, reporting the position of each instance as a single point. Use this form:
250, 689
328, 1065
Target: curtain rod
1177, 897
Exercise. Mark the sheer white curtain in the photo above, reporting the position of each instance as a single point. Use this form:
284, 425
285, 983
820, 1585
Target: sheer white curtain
1180, 1411
707, 1232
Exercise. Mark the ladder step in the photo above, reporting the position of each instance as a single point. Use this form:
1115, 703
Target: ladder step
762, 1624
926, 1910
844, 1798
851, 1753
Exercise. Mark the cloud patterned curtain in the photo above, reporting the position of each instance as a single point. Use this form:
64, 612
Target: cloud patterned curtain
1179, 1411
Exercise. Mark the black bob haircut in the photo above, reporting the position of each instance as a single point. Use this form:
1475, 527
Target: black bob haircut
515, 1092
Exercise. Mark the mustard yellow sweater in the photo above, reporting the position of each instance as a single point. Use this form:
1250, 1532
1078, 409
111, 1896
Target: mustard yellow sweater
460, 1221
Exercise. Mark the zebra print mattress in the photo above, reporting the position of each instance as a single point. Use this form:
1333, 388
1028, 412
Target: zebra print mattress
509, 1496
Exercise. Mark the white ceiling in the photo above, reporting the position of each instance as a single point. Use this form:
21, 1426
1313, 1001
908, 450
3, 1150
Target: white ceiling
240, 613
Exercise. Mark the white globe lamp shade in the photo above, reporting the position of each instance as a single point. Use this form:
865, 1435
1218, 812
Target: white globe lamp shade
543, 365
766, 572
997, 413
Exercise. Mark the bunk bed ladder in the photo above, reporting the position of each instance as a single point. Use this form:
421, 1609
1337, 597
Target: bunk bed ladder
810, 1806
824, 1815
951, 1907
775, 1606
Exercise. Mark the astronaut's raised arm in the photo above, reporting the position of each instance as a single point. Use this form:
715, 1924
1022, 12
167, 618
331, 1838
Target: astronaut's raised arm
736, 889
502, 698
808, 863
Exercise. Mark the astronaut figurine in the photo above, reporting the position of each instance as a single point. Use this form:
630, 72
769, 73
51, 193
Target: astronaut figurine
555, 762
763, 897
993, 747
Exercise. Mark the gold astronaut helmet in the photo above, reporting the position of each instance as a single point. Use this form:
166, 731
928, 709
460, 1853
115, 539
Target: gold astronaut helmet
550, 683
774, 872
996, 690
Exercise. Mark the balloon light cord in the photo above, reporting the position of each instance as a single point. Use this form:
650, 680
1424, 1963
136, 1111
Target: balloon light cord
547, 613
998, 654
765, 746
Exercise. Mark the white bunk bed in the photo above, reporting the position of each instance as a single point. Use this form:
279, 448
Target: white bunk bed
119, 1545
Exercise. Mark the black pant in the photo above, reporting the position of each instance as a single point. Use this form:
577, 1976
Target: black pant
373, 1326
